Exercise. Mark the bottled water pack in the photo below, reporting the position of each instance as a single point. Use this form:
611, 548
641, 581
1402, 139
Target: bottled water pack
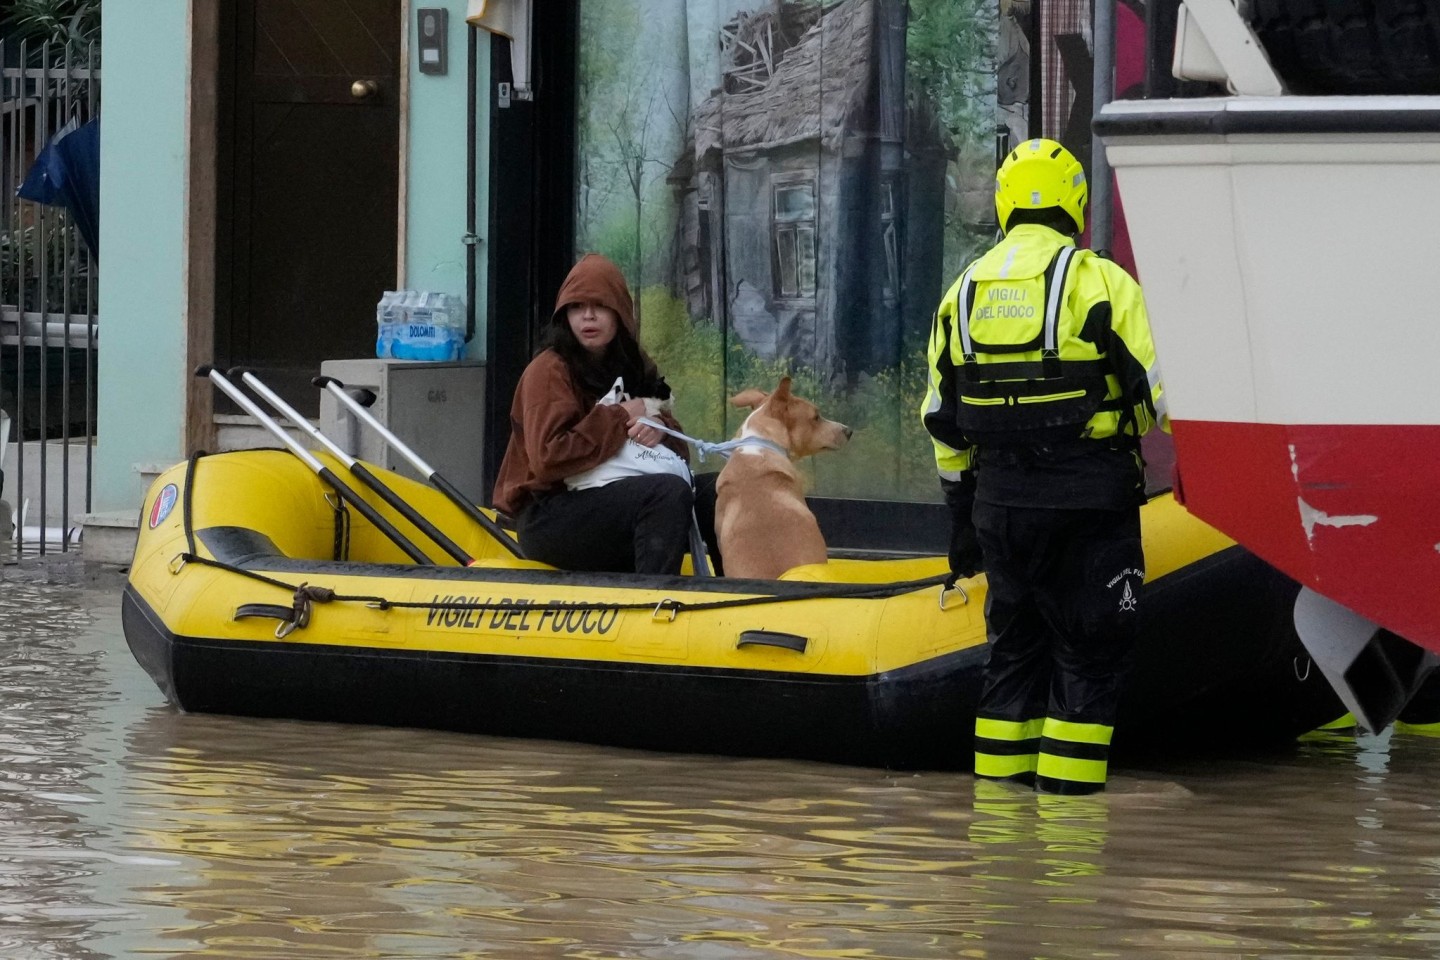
419, 325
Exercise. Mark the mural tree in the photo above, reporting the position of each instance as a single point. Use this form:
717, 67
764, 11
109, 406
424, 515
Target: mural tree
631, 118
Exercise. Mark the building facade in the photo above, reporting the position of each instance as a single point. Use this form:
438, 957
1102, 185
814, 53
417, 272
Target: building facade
788, 186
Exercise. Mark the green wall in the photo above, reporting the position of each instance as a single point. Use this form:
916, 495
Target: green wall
435, 228
142, 226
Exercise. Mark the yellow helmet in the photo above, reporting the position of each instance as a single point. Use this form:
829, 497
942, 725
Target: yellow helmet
1039, 174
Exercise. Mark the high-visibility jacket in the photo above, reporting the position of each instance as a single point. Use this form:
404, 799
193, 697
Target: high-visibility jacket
1039, 342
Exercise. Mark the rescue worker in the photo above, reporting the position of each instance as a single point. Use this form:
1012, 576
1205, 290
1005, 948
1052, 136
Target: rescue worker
1042, 381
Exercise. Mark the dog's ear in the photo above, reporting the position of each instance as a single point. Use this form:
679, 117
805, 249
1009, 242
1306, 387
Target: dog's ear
751, 398
782, 392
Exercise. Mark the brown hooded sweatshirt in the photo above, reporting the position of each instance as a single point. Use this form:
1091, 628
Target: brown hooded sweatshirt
556, 429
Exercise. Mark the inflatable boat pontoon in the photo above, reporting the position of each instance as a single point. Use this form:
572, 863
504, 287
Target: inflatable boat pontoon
255, 591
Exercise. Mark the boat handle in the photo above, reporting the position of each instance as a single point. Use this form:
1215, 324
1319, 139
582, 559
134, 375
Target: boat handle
772, 638
945, 591
291, 618
272, 611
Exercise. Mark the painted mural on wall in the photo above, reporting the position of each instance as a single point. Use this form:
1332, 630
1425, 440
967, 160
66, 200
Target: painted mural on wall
791, 186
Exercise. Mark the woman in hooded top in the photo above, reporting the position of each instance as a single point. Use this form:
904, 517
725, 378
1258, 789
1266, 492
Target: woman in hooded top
558, 430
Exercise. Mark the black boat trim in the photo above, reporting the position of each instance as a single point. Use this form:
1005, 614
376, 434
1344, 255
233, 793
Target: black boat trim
1229, 117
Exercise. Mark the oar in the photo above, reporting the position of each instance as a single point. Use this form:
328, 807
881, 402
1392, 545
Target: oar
337, 390
324, 472
356, 468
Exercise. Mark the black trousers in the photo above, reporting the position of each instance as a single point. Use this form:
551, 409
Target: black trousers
1062, 611
635, 525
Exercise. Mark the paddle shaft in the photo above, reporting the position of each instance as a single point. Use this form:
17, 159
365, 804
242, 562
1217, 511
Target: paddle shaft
358, 470
337, 390
325, 473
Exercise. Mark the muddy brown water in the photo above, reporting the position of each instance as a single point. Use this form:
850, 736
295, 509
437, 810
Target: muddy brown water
129, 830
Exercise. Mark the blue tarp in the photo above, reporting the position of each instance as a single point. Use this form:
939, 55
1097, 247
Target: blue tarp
67, 174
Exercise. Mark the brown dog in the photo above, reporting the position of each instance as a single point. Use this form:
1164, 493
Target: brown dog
762, 522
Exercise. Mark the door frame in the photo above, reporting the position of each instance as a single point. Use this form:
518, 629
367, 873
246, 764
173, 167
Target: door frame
201, 201
205, 114
531, 225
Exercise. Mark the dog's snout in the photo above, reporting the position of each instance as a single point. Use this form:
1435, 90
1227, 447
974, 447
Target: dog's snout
848, 432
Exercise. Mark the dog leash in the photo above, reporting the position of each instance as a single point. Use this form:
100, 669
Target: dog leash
723, 449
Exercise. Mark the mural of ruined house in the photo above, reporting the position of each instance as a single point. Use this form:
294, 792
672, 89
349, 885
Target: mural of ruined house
812, 189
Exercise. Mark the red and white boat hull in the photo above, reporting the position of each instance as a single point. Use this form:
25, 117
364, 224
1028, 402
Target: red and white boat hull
1288, 250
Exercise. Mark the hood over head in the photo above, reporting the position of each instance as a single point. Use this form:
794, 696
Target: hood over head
595, 279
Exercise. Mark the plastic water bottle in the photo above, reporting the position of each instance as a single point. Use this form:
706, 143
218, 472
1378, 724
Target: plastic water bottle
449, 320
419, 325
389, 313
420, 338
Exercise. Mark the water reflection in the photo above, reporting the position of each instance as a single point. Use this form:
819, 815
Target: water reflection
518, 848
47, 704
127, 829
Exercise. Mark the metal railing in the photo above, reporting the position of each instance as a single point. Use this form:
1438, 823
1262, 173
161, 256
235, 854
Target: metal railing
49, 288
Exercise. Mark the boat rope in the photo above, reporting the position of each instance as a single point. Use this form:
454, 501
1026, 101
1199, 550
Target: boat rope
851, 591
341, 549
862, 591
723, 449
305, 595
187, 516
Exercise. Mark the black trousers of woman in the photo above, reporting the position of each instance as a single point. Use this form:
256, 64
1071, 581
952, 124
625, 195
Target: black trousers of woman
635, 525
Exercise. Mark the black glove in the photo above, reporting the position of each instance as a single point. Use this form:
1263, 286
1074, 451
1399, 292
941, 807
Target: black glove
965, 557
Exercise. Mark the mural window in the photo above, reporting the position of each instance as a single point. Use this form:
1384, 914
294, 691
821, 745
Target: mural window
794, 229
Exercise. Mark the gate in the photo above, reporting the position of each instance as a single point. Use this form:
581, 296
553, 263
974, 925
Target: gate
49, 286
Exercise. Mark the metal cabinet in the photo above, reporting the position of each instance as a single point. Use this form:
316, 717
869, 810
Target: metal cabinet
437, 409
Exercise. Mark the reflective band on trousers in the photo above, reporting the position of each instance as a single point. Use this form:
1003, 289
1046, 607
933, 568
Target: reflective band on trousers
1006, 748
1067, 768
1078, 732
1011, 730
992, 765
1075, 752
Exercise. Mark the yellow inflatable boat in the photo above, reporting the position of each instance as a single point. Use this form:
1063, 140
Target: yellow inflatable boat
255, 591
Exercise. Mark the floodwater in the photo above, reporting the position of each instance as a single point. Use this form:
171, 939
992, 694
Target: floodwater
128, 830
